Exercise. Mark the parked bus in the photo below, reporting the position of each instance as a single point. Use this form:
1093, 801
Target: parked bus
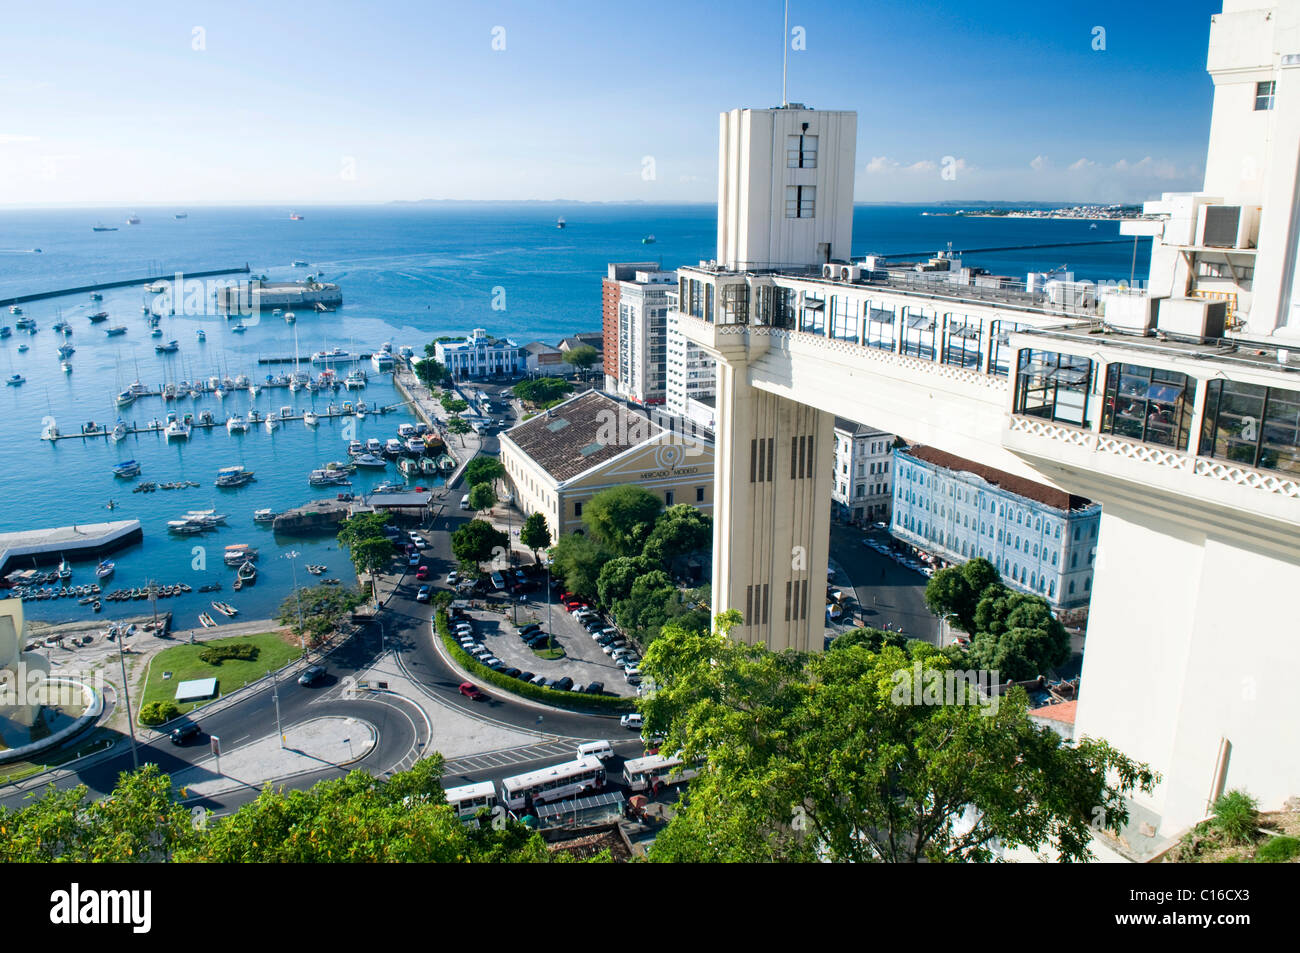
555, 783
468, 799
643, 774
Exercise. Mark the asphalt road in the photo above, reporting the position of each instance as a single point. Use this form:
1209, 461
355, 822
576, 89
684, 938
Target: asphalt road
886, 591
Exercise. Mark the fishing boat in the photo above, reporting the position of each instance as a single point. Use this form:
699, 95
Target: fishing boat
133, 219
98, 317
559, 222
428, 466
247, 574
648, 240
66, 366
231, 477
171, 347
126, 469
65, 569
105, 569
183, 527
408, 467
370, 460
115, 330
239, 553
327, 477
201, 335
446, 463
310, 418
103, 228
236, 424
334, 355
393, 447
264, 516
178, 428
226, 609
119, 430
207, 621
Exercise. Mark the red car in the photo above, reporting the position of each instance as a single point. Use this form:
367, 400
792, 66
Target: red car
470, 691
422, 572
566, 597
574, 604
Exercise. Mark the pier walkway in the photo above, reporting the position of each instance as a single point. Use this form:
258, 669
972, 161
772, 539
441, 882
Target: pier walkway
82, 541
123, 283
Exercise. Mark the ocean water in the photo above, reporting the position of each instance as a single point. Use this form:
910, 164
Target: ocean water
408, 275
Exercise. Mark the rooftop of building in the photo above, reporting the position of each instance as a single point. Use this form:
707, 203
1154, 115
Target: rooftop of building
1063, 712
856, 429
594, 339
1020, 486
580, 433
540, 347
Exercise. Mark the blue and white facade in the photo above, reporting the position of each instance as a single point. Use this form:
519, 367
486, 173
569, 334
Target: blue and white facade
957, 514
481, 355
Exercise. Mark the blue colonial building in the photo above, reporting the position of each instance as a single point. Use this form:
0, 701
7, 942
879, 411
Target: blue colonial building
1042, 540
481, 355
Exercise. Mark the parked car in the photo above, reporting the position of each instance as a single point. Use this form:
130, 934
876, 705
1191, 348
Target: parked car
453, 577
631, 721
423, 594
525, 676
183, 733
422, 573
470, 691
596, 626
413, 559
511, 672
595, 688
565, 683
311, 675
529, 628
539, 680
495, 664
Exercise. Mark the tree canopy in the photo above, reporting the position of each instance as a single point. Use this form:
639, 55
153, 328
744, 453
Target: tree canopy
322, 609
576, 560
430, 370
622, 517
368, 547
543, 391
483, 470
535, 534
953, 593
818, 756
680, 530
582, 356
482, 497
478, 541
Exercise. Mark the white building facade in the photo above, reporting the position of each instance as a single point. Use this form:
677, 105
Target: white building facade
1042, 540
481, 355
863, 472
642, 360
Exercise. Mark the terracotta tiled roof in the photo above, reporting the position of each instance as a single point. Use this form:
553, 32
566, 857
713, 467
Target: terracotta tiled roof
1062, 712
580, 433
1000, 478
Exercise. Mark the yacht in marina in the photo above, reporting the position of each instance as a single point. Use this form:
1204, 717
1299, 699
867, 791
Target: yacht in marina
408, 467
119, 430
264, 516
310, 418
374, 446
178, 428
236, 424
127, 468
370, 460
272, 423
231, 477
327, 477
393, 447
333, 356
355, 379
240, 553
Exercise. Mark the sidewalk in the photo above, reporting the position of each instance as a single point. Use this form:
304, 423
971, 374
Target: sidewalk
466, 446
331, 741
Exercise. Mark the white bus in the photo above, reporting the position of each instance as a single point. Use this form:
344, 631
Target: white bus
642, 773
468, 799
555, 783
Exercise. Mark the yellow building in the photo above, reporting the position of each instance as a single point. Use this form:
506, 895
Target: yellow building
558, 460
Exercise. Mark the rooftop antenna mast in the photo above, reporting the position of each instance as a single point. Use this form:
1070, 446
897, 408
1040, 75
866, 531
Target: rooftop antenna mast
785, 55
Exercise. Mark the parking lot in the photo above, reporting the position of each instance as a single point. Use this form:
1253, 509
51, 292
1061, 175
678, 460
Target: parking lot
584, 660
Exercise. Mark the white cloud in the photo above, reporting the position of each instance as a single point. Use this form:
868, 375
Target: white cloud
9, 138
1080, 164
924, 165
880, 164
1038, 163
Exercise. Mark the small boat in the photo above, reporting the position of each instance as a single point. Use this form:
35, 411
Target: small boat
240, 553
156, 332
310, 419
14, 309
133, 219
295, 217
103, 228
66, 366
272, 422
127, 468
236, 424
105, 569
6, 331
225, 608
182, 215
115, 330
22, 349
65, 570
201, 335
370, 460
97, 606
231, 477
559, 222
648, 240
408, 467
264, 516
171, 347
238, 328
119, 430
211, 587
247, 573
299, 263
239, 584
98, 317
290, 317
207, 621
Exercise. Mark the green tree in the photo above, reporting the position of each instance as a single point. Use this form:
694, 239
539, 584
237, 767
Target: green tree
953, 593
478, 541
155, 713
622, 517
679, 531
536, 535
482, 497
576, 560
430, 371
141, 822
616, 579
650, 603
459, 427
322, 609
581, 357
483, 470
1017, 635
368, 547
818, 756
542, 391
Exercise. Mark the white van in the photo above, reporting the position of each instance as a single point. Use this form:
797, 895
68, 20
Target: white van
596, 749
464, 502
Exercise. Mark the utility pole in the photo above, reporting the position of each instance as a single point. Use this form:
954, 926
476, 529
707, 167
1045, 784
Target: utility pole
275, 693
126, 695
292, 556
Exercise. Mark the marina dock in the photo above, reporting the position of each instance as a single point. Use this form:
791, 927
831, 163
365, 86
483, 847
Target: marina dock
82, 541
158, 426
124, 283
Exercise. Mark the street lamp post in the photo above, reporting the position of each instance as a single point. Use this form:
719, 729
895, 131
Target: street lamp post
126, 695
292, 556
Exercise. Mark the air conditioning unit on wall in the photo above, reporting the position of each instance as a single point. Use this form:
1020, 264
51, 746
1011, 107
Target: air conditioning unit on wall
1227, 226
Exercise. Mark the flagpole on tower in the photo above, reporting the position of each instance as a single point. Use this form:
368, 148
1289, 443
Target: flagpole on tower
785, 54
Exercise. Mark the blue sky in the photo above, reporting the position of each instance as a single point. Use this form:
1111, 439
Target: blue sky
338, 102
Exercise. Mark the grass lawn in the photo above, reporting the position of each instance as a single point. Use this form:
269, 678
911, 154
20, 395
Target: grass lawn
184, 664
549, 654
